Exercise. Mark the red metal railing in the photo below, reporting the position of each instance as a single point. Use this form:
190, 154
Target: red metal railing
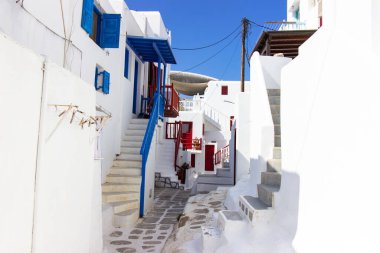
177, 143
222, 155
172, 100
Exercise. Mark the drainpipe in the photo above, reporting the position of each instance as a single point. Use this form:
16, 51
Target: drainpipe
40, 143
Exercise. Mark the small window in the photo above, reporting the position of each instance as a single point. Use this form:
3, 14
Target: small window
103, 29
102, 80
224, 90
126, 63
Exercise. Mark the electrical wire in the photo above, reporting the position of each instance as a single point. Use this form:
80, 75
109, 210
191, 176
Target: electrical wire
213, 44
262, 26
211, 57
229, 62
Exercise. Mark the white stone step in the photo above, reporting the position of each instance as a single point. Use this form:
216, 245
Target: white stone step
214, 179
130, 150
276, 153
274, 165
137, 127
119, 207
139, 121
254, 209
274, 92
126, 172
277, 140
276, 119
120, 187
277, 129
266, 193
130, 157
274, 100
109, 197
123, 179
135, 132
126, 219
127, 163
275, 109
131, 144
133, 138
271, 178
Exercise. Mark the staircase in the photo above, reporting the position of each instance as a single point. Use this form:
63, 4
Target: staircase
122, 187
270, 179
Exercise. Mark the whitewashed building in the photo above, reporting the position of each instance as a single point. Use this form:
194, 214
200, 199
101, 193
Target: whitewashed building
93, 106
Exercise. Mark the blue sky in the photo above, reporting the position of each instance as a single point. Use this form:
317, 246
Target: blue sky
195, 23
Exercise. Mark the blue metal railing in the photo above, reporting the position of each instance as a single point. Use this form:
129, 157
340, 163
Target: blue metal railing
157, 112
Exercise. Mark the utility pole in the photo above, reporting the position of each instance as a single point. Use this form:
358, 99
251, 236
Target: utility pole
244, 23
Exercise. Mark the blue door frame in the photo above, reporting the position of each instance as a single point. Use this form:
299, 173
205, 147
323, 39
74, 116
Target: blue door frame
135, 87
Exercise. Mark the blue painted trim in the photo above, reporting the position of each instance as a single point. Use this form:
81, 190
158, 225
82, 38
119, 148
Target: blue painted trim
135, 82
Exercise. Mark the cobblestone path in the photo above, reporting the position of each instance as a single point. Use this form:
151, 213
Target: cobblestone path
151, 232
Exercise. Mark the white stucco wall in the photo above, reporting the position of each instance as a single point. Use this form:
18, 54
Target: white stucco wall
21, 99
55, 204
330, 134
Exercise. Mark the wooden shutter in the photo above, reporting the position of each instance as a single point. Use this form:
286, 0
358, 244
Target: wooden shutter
193, 160
87, 12
110, 31
106, 82
224, 90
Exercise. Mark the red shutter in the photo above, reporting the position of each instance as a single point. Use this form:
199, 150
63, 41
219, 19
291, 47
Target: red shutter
193, 160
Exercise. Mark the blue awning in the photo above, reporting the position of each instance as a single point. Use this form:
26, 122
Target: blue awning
151, 49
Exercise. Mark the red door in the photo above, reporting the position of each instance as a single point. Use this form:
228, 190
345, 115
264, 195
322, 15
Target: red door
209, 157
187, 135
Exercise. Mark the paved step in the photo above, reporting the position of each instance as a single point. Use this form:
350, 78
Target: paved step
126, 172
214, 179
277, 140
274, 92
131, 144
271, 178
120, 187
133, 138
119, 207
137, 127
130, 150
274, 165
130, 157
277, 129
277, 153
266, 193
276, 119
135, 132
274, 100
139, 121
109, 197
123, 179
126, 219
127, 163
254, 209
275, 109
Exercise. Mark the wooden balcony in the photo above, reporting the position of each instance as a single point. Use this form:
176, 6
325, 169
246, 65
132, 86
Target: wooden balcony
171, 102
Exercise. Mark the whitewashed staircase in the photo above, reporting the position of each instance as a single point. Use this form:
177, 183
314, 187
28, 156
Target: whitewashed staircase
262, 207
122, 187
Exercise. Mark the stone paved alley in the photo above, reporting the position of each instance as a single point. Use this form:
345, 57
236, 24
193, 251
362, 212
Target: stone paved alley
151, 232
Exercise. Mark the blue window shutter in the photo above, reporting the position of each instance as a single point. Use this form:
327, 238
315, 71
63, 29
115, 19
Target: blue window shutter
126, 64
87, 12
106, 82
110, 31
96, 79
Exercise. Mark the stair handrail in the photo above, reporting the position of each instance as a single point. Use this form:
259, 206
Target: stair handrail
216, 115
157, 111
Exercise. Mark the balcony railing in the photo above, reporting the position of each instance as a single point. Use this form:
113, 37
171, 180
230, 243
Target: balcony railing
171, 101
223, 155
284, 26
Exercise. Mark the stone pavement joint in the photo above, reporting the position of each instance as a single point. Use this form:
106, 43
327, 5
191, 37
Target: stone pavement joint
152, 231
